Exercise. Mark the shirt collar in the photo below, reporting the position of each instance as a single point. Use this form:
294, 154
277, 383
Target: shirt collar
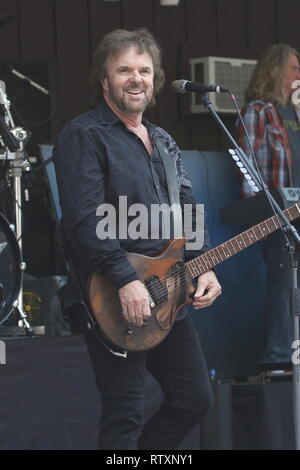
107, 117
105, 114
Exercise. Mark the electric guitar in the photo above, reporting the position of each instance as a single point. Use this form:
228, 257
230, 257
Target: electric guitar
167, 279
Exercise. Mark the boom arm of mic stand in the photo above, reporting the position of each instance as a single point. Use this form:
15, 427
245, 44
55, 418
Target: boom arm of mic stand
251, 170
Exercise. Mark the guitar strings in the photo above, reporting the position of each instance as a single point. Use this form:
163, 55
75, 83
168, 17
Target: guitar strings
182, 272
203, 266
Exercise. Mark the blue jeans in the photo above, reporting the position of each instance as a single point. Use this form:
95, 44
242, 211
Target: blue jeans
278, 321
179, 367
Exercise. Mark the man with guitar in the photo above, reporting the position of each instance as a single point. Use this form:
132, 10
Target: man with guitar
100, 156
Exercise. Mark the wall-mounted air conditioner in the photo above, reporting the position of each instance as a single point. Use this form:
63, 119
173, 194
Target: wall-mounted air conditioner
233, 74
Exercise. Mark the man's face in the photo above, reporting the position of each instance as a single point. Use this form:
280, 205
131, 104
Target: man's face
128, 84
291, 73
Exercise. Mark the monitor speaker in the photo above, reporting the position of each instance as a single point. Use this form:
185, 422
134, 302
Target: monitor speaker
42, 307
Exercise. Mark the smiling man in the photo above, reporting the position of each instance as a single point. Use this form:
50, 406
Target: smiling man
128, 84
100, 157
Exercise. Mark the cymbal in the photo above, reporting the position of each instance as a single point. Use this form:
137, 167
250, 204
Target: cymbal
4, 19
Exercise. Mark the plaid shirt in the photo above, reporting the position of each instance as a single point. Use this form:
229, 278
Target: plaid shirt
270, 142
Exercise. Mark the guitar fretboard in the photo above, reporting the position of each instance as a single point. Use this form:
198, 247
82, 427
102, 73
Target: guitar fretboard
211, 258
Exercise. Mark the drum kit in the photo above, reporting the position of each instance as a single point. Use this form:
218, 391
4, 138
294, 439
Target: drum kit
12, 142
13, 158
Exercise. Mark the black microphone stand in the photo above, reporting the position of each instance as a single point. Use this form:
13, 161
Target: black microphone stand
293, 238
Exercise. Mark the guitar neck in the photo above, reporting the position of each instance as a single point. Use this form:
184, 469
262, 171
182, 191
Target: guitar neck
211, 258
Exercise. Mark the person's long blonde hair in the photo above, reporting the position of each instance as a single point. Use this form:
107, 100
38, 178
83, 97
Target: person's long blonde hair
267, 80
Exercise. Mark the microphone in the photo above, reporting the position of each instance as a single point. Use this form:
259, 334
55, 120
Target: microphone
28, 80
7, 69
184, 86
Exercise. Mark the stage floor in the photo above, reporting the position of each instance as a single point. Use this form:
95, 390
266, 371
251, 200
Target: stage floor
49, 399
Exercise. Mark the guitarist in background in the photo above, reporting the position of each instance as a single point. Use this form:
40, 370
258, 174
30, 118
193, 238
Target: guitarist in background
99, 156
273, 124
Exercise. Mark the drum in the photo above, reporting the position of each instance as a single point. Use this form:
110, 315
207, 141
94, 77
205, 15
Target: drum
10, 269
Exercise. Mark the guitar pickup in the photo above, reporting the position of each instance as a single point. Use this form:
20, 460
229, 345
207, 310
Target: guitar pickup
158, 292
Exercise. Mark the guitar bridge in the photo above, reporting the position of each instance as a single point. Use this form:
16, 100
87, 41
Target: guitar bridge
151, 302
158, 293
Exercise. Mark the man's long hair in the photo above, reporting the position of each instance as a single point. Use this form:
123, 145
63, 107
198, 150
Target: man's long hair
267, 81
117, 41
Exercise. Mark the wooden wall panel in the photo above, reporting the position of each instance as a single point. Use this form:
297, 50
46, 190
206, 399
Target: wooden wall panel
202, 36
36, 30
288, 18
261, 26
170, 32
232, 27
137, 14
66, 32
72, 26
213, 29
9, 33
201, 26
104, 17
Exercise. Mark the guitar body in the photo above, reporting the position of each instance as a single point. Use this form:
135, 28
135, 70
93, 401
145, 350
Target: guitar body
168, 281
169, 286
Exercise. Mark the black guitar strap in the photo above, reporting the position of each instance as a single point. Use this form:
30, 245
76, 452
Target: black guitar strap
72, 296
172, 180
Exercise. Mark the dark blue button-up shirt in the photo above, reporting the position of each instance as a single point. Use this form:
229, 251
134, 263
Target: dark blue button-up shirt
97, 160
